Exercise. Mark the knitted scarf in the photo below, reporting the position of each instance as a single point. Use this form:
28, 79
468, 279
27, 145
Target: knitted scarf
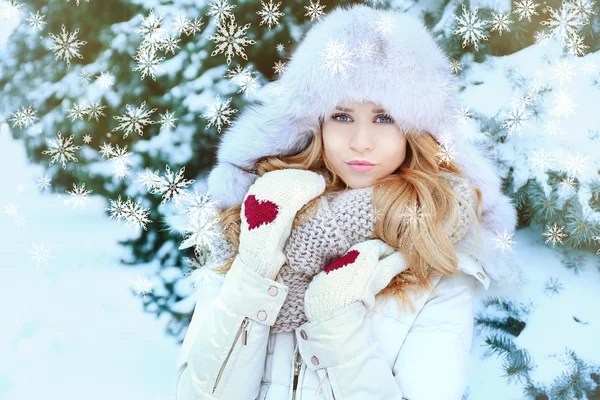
343, 219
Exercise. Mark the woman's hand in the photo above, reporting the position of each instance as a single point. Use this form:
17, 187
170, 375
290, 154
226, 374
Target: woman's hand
356, 276
267, 214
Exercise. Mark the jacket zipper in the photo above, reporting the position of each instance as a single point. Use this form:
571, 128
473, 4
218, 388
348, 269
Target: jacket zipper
244, 342
297, 366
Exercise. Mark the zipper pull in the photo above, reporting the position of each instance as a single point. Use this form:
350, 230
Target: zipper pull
245, 332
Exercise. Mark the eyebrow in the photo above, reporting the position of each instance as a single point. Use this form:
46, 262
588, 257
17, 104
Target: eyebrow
378, 110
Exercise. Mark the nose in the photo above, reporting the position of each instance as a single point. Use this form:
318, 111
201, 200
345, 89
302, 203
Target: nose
361, 140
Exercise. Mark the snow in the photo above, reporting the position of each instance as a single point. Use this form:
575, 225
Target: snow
550, 326
73, 328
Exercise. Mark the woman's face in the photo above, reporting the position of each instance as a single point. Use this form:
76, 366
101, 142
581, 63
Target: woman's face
361, 131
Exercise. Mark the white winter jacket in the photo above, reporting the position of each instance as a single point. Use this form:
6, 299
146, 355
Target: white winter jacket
229, 353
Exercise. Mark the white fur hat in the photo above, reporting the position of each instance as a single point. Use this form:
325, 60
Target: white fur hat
357, 53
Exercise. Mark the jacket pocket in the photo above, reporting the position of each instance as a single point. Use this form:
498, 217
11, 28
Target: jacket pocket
241, 332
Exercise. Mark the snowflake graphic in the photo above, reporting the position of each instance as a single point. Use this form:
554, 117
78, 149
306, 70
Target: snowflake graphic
87, 139
575, 45
220, 10
553, 286
85, 76
248, 84
554, 234
135, 120
142, 286
500, 22
187, 26
77, 112
385, 24
455, 66
563, 71
94, 110
277, 89
245, 79
40, 254
153, 34
203, 226
106, 150
365, 50
564, 24
575, 164
280, 47
270, 13
119, 157
568, 183
171, 186
228, 41
167, 120
526, 9
470, 28
78, 196
516, 119
589, 68
66, 46
61, 149
563, 105
77, 1
463, 114
279, 68
36, 21
504, 241
105, 80
315, 10
23, 117
337, 57
219, 113
552, 128
583, 9
148, 63
542, 37
541, 159
181, 24
133, 213
170, 44
445, 154
44, 182
11, 209
415, 215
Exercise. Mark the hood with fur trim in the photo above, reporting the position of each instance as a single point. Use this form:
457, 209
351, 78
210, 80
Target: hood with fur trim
358, 53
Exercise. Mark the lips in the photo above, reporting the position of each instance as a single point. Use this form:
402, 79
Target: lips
360, 163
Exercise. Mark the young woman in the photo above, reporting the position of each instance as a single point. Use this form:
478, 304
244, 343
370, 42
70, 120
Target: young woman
349, 282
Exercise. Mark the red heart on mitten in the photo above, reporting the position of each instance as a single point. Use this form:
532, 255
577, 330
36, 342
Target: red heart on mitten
258, 212
348, 258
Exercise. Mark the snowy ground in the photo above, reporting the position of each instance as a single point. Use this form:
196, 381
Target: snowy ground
72, 329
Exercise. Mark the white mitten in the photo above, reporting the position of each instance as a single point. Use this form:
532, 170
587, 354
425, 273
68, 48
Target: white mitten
358, 275
267, 215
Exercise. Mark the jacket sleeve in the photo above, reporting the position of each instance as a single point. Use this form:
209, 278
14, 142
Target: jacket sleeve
224, 350
434, 361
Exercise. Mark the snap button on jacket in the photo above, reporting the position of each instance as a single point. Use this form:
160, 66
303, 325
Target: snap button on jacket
229, 353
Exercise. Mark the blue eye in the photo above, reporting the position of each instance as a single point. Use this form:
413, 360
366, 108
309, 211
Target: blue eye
385, 116
336, 116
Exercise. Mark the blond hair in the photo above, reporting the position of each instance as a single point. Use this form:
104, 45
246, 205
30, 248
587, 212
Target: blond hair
416, 188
